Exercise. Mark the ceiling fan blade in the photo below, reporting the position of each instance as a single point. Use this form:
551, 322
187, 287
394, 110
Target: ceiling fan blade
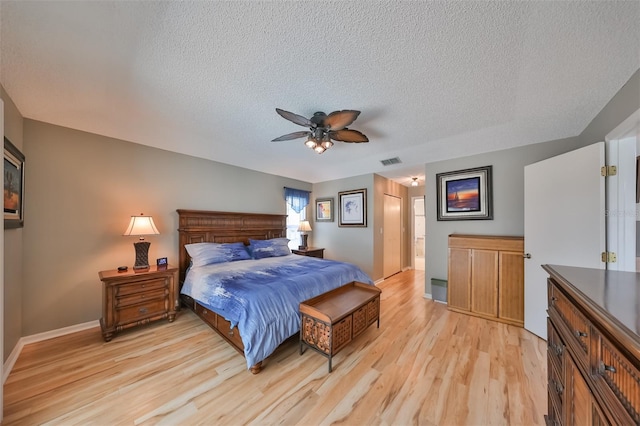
348, 135
295, 118
338, 120
294, 135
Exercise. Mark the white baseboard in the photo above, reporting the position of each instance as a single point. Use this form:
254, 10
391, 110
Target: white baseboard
428, 296
15, 353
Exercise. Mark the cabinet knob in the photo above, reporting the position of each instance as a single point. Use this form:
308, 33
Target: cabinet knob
231, 333
581, 333
527, 255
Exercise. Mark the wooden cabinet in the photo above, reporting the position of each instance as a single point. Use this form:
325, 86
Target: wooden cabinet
486, 277
133, 298
593, 353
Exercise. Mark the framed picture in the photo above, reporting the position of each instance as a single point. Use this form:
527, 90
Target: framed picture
353, 208
13, 186
465, 194
324, 209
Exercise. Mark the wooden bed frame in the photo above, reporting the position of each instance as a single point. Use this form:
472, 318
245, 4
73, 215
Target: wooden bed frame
198, 226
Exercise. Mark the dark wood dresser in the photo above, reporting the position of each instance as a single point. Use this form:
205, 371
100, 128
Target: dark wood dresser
593, 356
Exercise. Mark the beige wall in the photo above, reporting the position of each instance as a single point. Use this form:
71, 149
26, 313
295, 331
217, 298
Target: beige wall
82, 190
13, 240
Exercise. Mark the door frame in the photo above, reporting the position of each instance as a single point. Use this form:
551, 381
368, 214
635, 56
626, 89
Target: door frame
621, 151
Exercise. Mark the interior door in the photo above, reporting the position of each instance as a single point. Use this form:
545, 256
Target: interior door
392, 256
564, 222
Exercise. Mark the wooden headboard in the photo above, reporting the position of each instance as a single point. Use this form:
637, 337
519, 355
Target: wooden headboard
199, 226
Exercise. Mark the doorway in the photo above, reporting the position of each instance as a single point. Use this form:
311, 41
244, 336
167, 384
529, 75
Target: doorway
417, 246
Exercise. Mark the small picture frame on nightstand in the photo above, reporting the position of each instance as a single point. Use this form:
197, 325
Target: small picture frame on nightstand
162, 263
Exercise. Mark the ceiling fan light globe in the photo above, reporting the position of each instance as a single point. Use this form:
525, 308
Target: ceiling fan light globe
319, 149
311, 143
327, 144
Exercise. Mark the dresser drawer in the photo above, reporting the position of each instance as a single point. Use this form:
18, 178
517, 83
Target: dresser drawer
341, 334
618, 378
141, 311
555, 348
137, 298
578, 327
555, 385
140, 286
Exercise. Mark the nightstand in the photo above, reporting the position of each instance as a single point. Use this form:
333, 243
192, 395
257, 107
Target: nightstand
133, 298
310, 251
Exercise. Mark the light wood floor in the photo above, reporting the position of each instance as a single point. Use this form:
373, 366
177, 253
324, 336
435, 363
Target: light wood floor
425, 365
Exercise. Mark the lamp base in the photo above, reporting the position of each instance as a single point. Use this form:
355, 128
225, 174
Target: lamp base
142, 255
303, 246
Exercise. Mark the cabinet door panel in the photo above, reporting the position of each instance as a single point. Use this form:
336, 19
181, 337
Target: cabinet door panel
484, 279
511, 295
459, 285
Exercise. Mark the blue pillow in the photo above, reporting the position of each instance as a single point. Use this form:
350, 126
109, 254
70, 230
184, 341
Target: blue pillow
275, 247
209, 253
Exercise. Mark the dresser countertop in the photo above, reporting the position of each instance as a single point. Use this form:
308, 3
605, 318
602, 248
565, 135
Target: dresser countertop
614, 294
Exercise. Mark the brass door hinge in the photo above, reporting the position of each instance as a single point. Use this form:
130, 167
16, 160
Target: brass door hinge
609, 257
608, 171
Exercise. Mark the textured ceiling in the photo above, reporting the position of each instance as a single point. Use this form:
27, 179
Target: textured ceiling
434, 80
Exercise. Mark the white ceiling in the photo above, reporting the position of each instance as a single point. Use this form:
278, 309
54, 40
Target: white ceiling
434, 80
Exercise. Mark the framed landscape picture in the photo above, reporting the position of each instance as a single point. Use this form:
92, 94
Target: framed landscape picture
324, 209
353, 208
465, 194
13, 186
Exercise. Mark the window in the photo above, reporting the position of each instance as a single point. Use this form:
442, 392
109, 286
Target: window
293, 221
296, 202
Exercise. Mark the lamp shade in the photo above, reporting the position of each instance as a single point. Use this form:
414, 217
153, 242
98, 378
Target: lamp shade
304, 226
141, 225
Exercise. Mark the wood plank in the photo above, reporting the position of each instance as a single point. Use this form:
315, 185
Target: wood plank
425, 365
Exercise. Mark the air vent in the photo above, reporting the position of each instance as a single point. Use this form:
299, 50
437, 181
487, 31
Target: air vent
391, 161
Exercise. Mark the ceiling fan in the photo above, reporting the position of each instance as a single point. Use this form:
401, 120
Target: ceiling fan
323, 129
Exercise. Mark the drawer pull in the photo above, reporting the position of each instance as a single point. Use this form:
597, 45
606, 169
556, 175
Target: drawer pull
557, 386
581, 333
604, 367
231, 333
558, 349
204, 312
143, 310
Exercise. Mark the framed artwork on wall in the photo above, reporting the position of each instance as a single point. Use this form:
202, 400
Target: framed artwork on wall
324, 209
353, 208
465, 194
13, 186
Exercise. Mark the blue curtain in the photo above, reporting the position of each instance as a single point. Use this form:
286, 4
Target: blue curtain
296, 198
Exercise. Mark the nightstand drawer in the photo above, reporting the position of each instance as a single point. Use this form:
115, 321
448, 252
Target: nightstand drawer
141, 286
140, 311
135, 298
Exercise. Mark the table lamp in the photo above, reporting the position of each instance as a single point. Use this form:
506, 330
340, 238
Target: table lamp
303, 228
140, 226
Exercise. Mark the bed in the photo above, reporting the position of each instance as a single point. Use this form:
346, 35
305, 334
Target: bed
251, 303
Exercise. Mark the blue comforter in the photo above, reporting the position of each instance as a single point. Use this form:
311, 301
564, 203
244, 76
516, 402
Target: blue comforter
262, 297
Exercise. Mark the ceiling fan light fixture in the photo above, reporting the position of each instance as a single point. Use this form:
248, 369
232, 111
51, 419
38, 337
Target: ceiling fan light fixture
311, 143
319, 149
327, 143
414, 182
